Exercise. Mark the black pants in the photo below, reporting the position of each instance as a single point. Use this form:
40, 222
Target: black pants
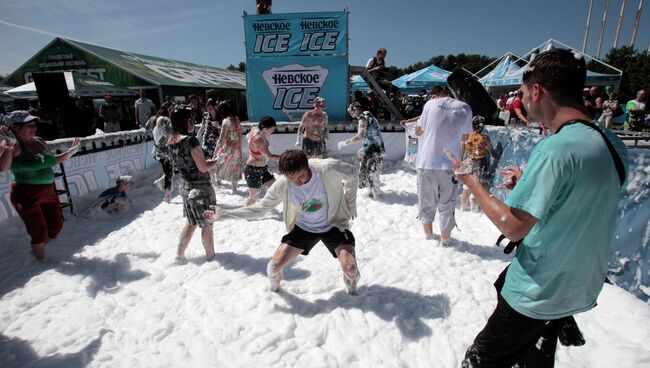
168, 171
511, 338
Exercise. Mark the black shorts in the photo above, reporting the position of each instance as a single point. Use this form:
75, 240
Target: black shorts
305, 240
257, 175
313, 148
510, 337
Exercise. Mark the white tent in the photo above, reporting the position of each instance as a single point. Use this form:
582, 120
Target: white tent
79, 85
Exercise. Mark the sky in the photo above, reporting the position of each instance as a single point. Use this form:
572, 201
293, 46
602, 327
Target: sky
212, 33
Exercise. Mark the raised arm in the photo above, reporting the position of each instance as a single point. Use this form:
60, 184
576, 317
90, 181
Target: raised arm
69, 153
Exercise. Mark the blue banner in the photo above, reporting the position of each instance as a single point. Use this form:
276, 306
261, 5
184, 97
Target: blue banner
293, 58
285, 88
294, 34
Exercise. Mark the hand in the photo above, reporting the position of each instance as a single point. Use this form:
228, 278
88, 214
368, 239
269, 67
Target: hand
75, 147
4, 146
210, 215
340, 145
511, 175
298, 140
402, 123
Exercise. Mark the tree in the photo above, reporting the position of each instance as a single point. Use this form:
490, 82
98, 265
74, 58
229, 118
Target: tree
239, 68
635, 66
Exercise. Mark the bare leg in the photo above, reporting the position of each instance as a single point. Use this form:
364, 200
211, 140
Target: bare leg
283, 255
428, 230
207, 235
464, 203
39, 251
445, 236
186, 235
345, 254
234, 186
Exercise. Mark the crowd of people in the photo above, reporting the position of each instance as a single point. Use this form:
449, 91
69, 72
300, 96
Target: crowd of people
561, 211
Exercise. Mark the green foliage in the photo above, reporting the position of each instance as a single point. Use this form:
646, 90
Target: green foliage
241, 67
473, 63
636, 70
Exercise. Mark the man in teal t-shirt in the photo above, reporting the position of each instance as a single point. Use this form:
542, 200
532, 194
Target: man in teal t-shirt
563, 208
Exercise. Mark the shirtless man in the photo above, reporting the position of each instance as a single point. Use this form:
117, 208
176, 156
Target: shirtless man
256, 171
313, 127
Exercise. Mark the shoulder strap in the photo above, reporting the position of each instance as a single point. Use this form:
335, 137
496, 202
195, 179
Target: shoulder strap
618, 163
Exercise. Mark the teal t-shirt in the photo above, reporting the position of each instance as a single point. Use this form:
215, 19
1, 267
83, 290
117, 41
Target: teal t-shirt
571, 186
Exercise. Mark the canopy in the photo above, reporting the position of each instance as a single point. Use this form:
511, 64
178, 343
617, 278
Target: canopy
358, 84
508, 73
505, 70
424, 78
79, 85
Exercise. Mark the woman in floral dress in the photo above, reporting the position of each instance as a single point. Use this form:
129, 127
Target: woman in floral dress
228, 152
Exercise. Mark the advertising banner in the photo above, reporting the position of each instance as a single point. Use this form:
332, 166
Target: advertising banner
294, 34
285, 88
292, 59
90, 173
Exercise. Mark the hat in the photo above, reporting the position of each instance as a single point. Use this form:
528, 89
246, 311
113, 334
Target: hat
511, 93
18, 117
124, 179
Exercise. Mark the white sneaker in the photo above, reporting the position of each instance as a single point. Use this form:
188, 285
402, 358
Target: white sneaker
160, 183
428, 236
446, 242
351, 285
274, 279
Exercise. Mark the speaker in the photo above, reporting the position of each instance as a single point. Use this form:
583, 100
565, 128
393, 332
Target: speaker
466, 88
52, 91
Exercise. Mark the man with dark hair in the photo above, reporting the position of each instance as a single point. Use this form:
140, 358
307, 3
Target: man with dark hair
144, 108
319, 200
444, 124
562, 210
111, 115
313, 130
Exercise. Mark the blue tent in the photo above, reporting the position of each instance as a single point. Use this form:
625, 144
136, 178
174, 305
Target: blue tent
358, 84
425, 78
511, 74
504, 73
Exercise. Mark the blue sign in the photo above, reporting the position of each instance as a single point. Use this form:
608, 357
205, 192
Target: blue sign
285, 88
295, 34
293, 58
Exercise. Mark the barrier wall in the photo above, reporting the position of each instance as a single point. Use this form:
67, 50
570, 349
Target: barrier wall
129, 153
629, 261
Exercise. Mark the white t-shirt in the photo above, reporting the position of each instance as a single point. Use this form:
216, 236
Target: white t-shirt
444, 121
145, 110
311, 201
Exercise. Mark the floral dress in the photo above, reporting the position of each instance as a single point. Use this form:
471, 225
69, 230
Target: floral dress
229, 153
477, 149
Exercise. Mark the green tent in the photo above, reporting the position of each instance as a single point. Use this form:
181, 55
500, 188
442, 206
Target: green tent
79, 85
